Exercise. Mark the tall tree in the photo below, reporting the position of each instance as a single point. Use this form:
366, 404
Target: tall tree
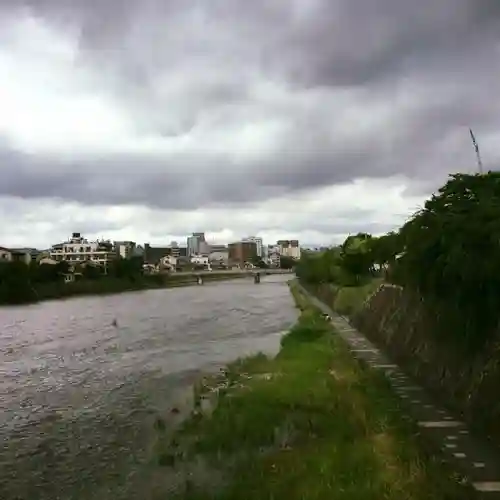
452, 252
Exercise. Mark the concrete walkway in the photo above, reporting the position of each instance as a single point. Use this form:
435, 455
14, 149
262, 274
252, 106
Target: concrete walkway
477, 460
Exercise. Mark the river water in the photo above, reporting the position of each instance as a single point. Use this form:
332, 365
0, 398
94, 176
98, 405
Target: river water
78, 395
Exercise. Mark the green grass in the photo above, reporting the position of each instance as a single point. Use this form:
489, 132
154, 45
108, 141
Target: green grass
300, 300
309, 424
350, 299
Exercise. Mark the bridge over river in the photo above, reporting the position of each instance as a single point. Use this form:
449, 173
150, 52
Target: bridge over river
257, 274
245, 272
79, 396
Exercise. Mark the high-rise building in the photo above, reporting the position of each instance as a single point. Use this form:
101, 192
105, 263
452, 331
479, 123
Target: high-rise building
204, 248
242, 252
259, 244
193, 243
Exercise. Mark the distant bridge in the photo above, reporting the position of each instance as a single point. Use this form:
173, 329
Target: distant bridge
257, 274
247, 272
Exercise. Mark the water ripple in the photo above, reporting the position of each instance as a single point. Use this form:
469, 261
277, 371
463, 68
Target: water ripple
78, 395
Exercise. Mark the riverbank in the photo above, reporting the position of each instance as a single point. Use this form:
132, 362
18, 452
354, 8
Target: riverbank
464, 377
108, 286
311, 423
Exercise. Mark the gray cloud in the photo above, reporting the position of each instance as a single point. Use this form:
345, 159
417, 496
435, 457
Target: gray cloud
183, 70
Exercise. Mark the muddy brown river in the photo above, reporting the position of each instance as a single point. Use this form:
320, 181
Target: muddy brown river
78, 395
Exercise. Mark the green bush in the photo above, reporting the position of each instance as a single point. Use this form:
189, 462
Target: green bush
452, 255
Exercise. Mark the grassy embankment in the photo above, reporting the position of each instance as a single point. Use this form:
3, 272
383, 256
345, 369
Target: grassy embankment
346, 300
311, 423
350, 299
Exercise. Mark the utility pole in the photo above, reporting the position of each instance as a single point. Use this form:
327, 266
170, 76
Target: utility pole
478, 155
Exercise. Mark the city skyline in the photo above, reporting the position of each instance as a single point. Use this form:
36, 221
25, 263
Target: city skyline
181, 240
77, 250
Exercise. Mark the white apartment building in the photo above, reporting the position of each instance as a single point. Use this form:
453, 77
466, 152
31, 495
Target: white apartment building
78, 250
259, 244
289, 248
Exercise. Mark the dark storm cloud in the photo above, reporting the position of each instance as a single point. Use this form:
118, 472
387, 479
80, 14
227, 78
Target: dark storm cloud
177, 66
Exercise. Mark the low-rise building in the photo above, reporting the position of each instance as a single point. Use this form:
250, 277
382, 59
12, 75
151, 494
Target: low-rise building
219, 259
153, 255
150, 269
169, 263
138, 251
5, 255
274, 256
25, 255
200, 260
78, 250
47, 260
184, 263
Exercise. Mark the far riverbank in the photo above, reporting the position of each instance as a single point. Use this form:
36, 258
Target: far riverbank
108, 286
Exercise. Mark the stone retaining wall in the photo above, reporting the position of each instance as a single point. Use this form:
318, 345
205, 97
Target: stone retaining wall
468, 384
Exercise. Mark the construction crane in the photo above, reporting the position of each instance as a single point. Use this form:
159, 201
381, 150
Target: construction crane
478, 155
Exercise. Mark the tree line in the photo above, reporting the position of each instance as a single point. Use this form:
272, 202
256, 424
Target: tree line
358, 259
448, 253
21, 282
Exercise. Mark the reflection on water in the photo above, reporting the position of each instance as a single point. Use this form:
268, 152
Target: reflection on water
78, 394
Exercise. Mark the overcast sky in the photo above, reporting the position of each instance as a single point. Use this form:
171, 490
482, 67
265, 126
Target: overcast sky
151, 119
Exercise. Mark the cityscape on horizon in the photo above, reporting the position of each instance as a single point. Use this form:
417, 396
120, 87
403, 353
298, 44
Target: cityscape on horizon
194, 252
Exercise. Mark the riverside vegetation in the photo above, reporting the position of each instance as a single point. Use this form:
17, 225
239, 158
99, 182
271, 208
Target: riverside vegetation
447, 254
441, 321
310, 423
22, 283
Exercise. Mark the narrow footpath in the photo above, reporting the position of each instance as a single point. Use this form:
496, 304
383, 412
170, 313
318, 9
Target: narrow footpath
476, 459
